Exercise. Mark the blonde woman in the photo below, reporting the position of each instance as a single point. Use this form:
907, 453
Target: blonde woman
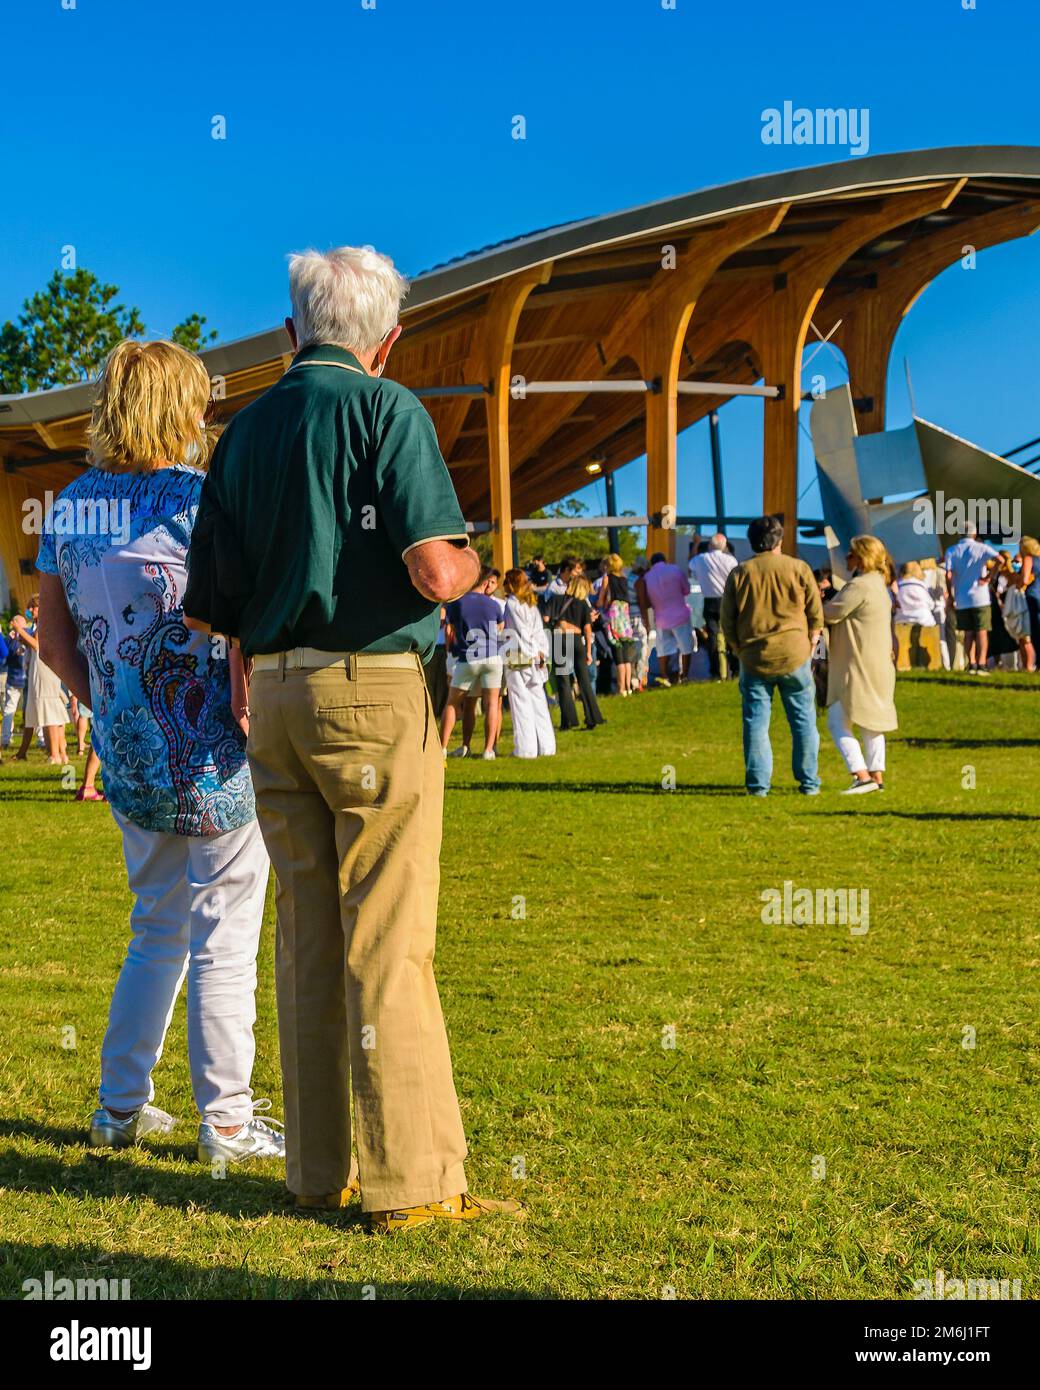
861, 677
112, 627
570, 624
526, 651
612, 601
1026, 577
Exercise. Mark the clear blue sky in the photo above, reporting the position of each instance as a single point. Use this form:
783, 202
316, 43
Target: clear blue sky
392, 126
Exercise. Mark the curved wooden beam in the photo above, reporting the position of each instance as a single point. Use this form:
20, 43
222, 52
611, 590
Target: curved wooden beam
779, 336
870, 318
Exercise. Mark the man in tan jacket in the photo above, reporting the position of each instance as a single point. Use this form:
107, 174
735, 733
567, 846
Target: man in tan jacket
771, 617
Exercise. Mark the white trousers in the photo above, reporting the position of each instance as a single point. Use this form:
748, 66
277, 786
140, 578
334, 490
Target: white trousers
199, 905
533, 733
12, 695
848, 744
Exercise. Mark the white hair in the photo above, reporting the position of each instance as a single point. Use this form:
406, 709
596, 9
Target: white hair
350, 295
717, 542
970, 529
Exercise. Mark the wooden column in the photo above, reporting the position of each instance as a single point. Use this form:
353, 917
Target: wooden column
16, 544
799, 285
671, 302
503, 314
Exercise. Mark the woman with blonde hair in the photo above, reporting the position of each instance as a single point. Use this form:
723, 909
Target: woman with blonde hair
526, 651
1026, 578
570, 625
612, 601
112, 627
861, 676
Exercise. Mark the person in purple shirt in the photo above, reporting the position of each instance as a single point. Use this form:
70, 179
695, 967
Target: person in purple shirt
476, 619
664, 588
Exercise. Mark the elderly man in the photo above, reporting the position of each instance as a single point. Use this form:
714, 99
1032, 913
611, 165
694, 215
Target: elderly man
709, 569
331, 509
771, 617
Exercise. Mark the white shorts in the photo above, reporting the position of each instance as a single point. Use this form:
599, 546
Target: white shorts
486, 672
672, 641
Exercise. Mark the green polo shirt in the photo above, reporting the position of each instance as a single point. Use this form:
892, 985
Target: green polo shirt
328, 480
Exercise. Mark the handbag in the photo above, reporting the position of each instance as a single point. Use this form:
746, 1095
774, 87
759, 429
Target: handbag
1015, 608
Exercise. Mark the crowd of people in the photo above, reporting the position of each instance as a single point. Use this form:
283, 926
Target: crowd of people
268, 696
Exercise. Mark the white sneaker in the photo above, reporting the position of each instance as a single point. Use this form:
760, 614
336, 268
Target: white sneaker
108, 1132
859, 788
256, 1139
488, 755
461, 752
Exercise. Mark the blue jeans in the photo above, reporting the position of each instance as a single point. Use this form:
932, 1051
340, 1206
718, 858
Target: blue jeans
798, 697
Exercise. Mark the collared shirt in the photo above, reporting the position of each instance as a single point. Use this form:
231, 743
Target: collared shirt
966, 565
667, 588
479, 618
327, 481
710, 570
174, 757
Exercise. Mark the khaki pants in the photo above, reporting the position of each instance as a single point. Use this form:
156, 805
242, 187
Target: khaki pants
349, 781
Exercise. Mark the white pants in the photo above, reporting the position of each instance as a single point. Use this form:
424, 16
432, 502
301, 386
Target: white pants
848, 744
199, 905
533, 733
11, 698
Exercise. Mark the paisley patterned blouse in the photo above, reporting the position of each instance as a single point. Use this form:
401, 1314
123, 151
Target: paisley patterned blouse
173, 756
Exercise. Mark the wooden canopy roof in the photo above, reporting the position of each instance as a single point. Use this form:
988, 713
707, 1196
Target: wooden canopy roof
716, 286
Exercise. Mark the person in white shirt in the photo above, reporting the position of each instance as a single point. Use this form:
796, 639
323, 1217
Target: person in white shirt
915, 610
967, 565
709, 570
525, 646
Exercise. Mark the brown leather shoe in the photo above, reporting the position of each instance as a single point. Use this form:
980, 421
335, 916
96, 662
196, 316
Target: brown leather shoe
332, 1201
464, 1207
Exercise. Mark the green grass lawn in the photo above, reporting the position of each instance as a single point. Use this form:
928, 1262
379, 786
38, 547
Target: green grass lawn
648, 1168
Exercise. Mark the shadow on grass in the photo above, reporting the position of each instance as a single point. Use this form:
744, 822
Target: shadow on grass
160, 1277
968, 742
245, 1191
249, 1191
42, 795
603, 788
932, 815
976, 682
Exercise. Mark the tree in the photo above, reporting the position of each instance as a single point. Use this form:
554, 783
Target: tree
64, 333
66, 330
189, 333
556, 542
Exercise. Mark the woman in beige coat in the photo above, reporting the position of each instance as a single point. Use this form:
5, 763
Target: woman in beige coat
861, 679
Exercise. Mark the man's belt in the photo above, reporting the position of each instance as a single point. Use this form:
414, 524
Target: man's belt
310, 659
